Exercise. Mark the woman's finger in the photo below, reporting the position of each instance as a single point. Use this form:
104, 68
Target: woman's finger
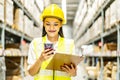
67, 67
73, 66
64, 69
50, 52
47, 50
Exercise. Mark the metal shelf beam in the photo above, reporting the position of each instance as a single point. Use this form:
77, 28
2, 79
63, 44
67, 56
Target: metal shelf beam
118, 54
17, 33
107, 33
2, 58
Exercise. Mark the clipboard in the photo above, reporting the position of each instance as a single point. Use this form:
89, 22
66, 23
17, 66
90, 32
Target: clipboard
59, 59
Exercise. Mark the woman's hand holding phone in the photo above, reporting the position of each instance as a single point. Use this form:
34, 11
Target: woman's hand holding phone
48, 52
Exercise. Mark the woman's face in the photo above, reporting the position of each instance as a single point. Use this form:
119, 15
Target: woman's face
52, 26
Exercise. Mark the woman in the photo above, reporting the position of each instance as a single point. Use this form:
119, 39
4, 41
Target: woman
38, 57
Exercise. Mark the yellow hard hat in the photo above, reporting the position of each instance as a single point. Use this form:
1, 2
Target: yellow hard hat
53, 10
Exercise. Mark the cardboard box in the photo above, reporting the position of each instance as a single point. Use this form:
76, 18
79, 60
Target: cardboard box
107, 19
25, 24
99, 25
110, 47
14, 78
18, 21
113, 13
114, 73
9, 12
29, 5
118, 10
36, 13
92, 71
97, 49
24, 49
37, 32
1, 12
95, 7
12, 52
28, 26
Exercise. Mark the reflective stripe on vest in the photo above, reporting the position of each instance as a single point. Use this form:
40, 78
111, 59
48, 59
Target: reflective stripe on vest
48, 74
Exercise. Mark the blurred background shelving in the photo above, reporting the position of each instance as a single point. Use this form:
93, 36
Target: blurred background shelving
93, 24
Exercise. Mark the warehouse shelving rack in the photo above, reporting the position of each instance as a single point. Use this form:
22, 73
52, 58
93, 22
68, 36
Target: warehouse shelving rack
105, 5
6, 29
101, 37
20, 5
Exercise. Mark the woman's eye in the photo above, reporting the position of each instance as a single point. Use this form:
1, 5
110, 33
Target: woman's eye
55, 24
48, 24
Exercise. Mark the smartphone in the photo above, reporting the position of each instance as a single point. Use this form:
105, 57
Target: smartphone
48, 46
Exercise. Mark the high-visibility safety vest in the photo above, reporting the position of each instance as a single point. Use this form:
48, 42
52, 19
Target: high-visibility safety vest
45, 74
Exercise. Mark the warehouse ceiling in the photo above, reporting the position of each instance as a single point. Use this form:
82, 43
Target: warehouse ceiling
72, 6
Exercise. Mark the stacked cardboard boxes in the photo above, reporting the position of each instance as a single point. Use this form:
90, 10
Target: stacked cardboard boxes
93, 71
18, 20
36, 13
9, 12
113, 13
93, 31
118, 11
36, 32
28, 26
29, 5
107, 19
110, 71
2, 10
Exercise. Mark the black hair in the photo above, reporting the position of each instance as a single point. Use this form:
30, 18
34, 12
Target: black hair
60, 32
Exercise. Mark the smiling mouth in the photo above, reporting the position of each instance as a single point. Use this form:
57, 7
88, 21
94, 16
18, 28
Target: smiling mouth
52, 31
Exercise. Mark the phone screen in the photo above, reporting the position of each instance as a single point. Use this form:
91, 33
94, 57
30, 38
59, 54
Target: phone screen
48, 46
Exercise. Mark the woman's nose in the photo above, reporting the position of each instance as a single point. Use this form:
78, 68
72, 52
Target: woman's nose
51, 26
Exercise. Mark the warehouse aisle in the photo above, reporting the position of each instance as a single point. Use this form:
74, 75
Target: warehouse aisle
94, 25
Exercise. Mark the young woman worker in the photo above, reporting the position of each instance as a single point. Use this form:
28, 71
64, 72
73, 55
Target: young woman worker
38, 57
